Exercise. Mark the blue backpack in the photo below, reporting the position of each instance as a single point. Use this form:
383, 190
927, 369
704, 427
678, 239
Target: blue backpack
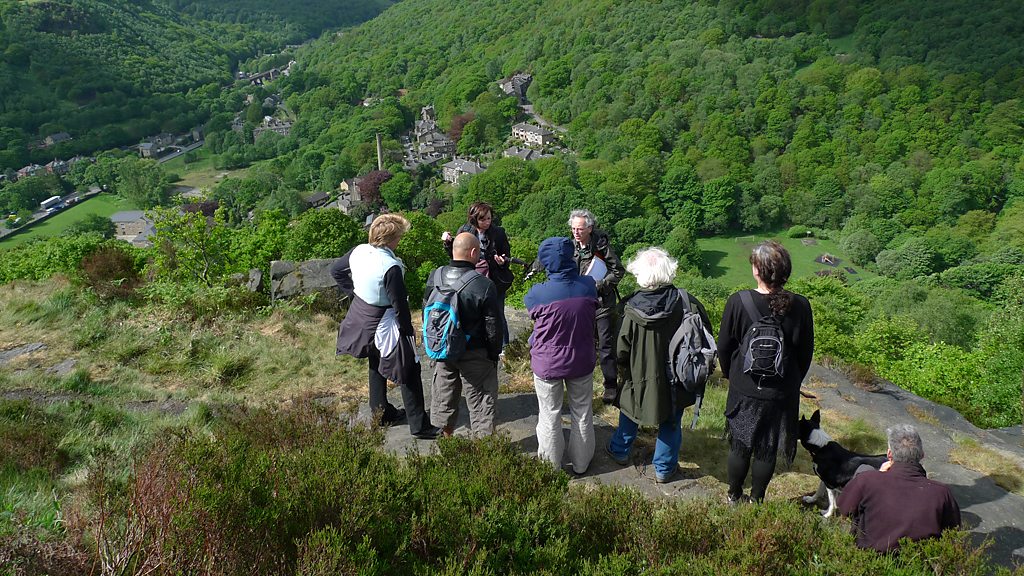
444, 337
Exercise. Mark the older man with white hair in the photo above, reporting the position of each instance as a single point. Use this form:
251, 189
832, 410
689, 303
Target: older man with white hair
647, 397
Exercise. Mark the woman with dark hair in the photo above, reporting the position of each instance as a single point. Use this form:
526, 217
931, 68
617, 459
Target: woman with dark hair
494, 249
761, 411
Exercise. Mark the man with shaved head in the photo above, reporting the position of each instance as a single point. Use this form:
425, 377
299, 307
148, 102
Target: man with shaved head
475, 371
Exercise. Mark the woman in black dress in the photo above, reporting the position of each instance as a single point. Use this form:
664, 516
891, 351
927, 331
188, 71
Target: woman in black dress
761, 413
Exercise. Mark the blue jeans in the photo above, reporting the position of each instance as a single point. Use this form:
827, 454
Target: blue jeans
666, 448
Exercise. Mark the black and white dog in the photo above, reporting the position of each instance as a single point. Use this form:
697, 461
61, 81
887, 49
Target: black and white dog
833, 464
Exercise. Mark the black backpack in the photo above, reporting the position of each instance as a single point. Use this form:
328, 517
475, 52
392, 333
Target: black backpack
444, 337
763, 346
691, 355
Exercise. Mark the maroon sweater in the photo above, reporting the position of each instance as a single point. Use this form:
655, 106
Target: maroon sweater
899, 503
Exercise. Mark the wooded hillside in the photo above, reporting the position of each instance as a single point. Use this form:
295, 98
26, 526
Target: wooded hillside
109, 72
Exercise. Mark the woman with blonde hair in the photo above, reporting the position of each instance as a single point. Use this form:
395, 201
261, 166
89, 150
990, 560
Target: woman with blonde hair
761, 411
647, 397
378, 324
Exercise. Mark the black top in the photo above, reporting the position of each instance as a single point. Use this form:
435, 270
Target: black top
495, 243
798, 348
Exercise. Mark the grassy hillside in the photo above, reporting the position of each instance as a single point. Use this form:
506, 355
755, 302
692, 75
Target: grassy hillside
228, 433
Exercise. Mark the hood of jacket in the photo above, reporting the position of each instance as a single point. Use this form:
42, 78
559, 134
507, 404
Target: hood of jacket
649, 308
556, 254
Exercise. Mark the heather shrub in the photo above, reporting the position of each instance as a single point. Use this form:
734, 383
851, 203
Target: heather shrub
293, 491
111, 272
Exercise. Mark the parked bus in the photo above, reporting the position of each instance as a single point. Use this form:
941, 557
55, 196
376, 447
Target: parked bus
49, 202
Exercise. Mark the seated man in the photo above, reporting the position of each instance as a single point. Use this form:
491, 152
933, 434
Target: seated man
898, 500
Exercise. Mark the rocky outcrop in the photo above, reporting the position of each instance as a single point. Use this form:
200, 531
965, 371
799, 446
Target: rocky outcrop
289, 279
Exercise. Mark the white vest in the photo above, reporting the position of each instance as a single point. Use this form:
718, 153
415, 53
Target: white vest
368, 264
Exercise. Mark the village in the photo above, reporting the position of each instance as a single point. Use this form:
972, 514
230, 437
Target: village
424, 145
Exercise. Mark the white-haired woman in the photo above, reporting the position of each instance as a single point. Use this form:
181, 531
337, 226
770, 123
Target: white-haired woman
647, 398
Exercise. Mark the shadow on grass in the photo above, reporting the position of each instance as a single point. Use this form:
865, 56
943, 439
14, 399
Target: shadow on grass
711, 265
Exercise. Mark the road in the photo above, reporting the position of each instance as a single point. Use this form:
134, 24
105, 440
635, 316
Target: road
181, 151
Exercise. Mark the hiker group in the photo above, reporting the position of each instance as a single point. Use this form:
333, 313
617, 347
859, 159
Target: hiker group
655, 347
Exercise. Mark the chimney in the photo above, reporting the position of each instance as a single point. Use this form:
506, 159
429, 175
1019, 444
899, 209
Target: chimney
380, 153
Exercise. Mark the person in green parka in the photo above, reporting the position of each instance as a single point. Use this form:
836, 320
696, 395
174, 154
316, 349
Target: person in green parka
650, 317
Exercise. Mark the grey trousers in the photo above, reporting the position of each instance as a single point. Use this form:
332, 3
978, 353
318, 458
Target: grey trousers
480, 376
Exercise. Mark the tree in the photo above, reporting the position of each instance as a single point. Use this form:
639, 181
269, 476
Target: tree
188, 248
719, 203
142, 182
397, 192
421, 251
259, 243
861, 246
369, 186
93, 223
915, 257
325, 233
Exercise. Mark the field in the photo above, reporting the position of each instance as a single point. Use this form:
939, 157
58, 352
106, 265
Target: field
726, 258
102, 204
199, 174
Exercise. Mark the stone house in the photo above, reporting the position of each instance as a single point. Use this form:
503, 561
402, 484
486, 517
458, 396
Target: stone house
454, 171
133, 227
532, 135
524, 153
57, 138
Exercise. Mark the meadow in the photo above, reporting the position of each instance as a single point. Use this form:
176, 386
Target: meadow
201, 173
725, 258
101, 204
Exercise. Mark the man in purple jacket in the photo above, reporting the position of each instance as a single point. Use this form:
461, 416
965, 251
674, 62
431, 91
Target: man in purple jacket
898, 500
562, 355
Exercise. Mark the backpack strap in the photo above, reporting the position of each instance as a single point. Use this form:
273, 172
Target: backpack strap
748, 305
696, 411
686, 299
464, 280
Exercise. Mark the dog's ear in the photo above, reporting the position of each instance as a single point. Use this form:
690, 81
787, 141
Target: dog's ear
816, 417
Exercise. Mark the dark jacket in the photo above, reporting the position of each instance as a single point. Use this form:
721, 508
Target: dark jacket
479, 306
649, 319
600, 247
798, 347
899, 503
563, 310
497, 244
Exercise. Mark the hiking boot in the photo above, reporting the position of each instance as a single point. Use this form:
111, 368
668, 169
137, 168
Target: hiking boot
428, 433
659, 479
735, 500
609, 396
621, 461
396, 416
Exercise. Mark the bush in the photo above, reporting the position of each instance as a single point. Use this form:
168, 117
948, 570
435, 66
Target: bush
110, 271
800, 231
291, 491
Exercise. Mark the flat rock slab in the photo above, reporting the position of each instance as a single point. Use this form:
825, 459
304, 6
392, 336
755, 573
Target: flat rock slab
8, 355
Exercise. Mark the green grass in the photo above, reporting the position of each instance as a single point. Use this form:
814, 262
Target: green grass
102, 204
202, 173
726, 258
843, 44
